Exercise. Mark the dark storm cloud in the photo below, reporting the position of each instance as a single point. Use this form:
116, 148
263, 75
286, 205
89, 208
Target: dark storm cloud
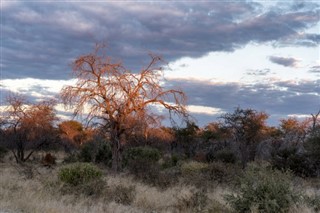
40, 39
276, 98
284, 61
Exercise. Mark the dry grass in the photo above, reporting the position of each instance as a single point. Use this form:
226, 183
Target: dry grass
34, 188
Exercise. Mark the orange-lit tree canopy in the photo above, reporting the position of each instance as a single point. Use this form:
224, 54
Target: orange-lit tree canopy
114, 96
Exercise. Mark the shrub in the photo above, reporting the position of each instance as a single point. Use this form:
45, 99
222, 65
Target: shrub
291, 159
104, 154
88, 152
223, 155
141, 153
171, 161
79, 173
96, 151
265, 189
226, 156
144, 170
193, 167
223, 173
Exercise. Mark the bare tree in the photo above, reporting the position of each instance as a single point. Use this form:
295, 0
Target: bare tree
27, 126
111, 95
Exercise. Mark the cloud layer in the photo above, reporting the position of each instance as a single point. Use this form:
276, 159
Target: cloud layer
42, 38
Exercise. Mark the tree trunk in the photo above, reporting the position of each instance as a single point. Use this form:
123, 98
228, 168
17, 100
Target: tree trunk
116, 152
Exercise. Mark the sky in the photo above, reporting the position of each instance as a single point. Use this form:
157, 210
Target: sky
263, 55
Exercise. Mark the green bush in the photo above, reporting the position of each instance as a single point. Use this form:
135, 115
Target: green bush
226, 156
171, 161
96, 151
141, 153
79, 173
193, 167
264, 189
223, 173
290, 159
104, 154
88, 152
223, 155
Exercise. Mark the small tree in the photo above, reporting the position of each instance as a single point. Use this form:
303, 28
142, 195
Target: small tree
112, 95
246, 126
28, 126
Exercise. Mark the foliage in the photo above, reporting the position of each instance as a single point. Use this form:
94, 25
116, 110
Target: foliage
185, 137
118, 99
223, 173
312, 147
141, 153
263, 188
170, 161
96, 151
79, 173
193, 167
223, 155
246, 127
290, 159
104, 154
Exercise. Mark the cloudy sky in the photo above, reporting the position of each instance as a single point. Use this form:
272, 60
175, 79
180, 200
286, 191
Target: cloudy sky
263, 55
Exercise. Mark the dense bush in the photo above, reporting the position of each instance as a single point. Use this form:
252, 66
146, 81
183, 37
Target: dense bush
88, 152
140, 154
193, 167
223, 173
223, 155
290, 159
170, 161
96, 151
226, 156
313, 150
79, 173
265, 190
104, 154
